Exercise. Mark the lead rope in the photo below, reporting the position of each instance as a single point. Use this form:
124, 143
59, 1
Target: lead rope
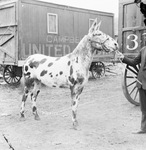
101, 43
128, 70
10, 145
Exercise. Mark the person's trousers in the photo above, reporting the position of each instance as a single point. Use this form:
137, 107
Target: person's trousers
142, 94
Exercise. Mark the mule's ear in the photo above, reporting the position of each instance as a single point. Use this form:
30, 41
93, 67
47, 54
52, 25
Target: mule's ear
98, 26
93, 27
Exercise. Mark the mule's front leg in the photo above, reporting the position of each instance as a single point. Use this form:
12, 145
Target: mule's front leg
24, 97
34, 95
74, 111
75, 93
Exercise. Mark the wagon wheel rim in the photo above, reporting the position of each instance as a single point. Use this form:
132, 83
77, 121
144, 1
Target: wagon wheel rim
130, 89
98, 70
10, 76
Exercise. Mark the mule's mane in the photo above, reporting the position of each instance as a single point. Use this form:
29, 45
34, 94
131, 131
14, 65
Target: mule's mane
84, 51
83, 47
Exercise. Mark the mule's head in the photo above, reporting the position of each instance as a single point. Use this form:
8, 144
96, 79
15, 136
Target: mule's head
101, 40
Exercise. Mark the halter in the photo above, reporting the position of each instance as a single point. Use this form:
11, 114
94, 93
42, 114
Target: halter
101, 43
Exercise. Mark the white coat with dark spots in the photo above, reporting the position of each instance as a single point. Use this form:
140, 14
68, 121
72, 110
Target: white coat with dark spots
71, 70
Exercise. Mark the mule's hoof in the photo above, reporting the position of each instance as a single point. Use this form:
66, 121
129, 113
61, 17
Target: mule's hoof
75, 125
37, 118
75, 128
22, 118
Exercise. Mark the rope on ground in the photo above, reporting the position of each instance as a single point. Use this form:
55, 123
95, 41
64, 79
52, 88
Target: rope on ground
10, 145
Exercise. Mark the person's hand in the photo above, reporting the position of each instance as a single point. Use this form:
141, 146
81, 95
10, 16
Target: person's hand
137, 1
119, 55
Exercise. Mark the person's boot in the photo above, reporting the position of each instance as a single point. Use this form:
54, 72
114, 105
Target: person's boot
143, 124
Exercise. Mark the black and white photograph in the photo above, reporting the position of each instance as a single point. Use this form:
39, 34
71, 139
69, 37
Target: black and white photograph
72, 74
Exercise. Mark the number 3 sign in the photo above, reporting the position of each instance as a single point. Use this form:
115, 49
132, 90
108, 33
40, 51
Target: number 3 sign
134, 41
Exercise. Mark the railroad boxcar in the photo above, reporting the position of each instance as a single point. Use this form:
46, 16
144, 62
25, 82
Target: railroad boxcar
32, 26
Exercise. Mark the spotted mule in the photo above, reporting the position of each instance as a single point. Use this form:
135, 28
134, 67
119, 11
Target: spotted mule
71, 70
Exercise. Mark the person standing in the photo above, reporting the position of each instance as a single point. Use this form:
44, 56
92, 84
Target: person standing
141, 83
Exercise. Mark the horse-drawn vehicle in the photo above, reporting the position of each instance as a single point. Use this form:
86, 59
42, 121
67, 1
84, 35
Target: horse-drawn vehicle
132, 35
32, 26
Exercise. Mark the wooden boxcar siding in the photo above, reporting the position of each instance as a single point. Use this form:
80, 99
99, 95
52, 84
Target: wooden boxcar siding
131, 28
73, 24
8, 28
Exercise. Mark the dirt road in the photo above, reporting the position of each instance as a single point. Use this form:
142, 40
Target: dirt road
106, 119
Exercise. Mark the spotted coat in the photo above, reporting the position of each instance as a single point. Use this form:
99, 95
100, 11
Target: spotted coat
70, 71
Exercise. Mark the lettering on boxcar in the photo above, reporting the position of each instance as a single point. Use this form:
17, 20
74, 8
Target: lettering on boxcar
56, 50
40, 49
55, 46
62, 39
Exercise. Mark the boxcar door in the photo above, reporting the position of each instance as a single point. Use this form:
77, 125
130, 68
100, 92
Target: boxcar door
132, 31
132, 37
8, 27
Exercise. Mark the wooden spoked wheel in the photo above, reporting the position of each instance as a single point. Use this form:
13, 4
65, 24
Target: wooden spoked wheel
129, 84
98, 69
12, 74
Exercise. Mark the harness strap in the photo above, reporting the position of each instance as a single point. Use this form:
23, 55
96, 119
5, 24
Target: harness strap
100, 43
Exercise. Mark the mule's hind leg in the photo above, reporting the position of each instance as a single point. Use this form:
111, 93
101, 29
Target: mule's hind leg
24, 97
75, 95
34, 94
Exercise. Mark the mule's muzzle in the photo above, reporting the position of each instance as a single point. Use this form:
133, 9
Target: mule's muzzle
110, 49
115, 47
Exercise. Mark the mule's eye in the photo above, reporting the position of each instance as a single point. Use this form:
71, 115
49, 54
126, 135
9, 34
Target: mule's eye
99, 34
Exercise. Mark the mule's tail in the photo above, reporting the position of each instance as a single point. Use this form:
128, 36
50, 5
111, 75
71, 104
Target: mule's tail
22, 84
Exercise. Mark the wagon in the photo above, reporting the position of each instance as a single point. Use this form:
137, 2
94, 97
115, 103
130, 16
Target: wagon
32, 26
131, 39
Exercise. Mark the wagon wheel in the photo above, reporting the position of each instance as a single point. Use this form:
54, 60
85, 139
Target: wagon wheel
98, 69
12, 75
129, 84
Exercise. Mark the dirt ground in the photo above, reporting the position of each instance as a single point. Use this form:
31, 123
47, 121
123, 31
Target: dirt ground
106, 119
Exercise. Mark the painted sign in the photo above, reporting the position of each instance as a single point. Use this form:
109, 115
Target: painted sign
133, 41
54, 46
